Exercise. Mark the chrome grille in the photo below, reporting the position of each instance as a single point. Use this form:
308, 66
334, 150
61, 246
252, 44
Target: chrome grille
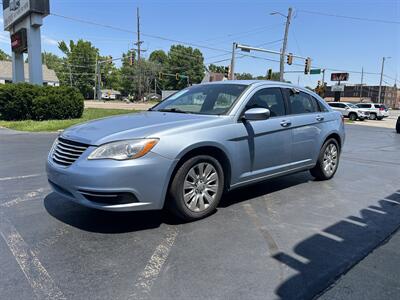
66, 152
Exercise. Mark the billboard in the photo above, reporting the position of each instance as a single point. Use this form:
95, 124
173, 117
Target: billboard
339, 76
15, 10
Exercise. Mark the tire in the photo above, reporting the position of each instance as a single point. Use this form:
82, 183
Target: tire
361, 119
352, 117
379, 118
372, 116
202, 193
398, 125
321, 171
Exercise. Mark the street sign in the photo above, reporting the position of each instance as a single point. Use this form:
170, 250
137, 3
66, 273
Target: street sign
315, 71
15, 10
338, 88
19, 41
339, 76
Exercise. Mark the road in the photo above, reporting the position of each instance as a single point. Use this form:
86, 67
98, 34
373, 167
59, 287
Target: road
288, 238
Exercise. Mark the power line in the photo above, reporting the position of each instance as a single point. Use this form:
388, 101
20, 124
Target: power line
349, 17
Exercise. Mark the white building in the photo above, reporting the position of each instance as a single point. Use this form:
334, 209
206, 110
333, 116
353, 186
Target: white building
49, 76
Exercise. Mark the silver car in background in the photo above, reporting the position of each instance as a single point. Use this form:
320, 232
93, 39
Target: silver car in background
204, 140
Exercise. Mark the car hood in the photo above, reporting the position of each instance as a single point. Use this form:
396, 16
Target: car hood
132, 126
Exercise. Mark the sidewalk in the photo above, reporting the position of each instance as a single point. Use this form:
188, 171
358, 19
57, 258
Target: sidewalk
117, 105
376, 277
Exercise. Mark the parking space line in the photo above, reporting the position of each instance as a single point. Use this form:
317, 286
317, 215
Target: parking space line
26, 197
37, 276
19, 177
148, 276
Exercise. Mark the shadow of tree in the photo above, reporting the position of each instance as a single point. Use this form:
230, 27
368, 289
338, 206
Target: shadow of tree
345, 244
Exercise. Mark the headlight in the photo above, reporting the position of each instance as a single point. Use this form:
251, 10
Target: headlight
123, 150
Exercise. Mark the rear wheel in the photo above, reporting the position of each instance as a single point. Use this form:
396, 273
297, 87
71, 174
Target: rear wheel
352, 117
372, 116
398, 125
196, 188
380, 118
328, 161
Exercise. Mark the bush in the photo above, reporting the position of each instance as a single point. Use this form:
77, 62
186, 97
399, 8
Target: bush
16, 101
25, 101
58, 103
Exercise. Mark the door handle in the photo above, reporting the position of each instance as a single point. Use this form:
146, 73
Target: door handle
320, 118
286, 123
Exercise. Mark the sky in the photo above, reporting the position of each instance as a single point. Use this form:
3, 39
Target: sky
334, 43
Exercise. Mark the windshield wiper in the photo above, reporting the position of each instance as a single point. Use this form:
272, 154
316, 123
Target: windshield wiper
175, 110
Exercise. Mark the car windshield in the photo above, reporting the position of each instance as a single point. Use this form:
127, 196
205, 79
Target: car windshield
208, 99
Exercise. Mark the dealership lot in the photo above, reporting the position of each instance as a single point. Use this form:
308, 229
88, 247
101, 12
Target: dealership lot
289, 237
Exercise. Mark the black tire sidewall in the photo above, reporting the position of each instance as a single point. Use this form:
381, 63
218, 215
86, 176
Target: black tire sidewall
352, 116
176, 194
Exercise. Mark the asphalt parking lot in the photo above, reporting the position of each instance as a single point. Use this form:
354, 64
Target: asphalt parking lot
288, 238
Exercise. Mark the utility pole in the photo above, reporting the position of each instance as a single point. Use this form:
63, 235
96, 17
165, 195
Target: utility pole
380, 83
95, 79
232, 75
284, 46
361, 86
138, 44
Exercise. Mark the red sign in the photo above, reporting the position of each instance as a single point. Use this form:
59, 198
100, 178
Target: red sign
19, 42
339, 76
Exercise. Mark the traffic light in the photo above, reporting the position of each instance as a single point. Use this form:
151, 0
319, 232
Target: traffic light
110, 59
290, 59
131, 59
177, 76
307, 66
269, 74
226, 72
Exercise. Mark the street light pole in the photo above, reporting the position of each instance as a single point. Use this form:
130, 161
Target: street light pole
232, 75
284, 46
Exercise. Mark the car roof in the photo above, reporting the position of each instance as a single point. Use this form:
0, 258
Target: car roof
263, 82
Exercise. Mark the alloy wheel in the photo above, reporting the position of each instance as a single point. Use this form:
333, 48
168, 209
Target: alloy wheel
200, 187
330, 159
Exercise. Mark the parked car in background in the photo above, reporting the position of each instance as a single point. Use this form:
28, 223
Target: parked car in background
349, 110
377, 111
187, 150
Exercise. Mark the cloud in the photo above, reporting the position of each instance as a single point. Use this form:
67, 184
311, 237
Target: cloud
5, 37
49, 41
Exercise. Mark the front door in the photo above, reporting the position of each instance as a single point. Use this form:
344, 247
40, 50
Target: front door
269, 141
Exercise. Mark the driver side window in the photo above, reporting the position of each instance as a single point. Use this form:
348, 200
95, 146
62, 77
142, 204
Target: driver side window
269, 98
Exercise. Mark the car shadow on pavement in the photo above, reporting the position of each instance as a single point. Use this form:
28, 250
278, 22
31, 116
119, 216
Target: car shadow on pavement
338, 248
98, 221
264, 188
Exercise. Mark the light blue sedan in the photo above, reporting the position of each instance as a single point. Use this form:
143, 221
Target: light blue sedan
204, 140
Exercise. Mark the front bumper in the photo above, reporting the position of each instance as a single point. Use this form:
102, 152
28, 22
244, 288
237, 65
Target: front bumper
145, 180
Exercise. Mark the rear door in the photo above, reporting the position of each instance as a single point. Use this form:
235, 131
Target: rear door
306, 118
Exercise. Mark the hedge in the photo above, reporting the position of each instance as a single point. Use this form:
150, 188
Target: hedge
31, 102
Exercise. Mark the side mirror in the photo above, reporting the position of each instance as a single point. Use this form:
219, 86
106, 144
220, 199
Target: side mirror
257, 114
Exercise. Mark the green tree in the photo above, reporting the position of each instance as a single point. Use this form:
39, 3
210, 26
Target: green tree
216, 69
243, 76
158, 56
4, 56
139, 74
184, 61
79, 67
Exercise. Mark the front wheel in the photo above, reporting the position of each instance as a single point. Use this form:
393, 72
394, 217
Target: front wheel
353, 117
328, 161
197, 188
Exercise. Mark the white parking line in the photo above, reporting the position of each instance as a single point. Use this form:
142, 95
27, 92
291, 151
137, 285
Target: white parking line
19, 177
39, 279
147, 277
26, 197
